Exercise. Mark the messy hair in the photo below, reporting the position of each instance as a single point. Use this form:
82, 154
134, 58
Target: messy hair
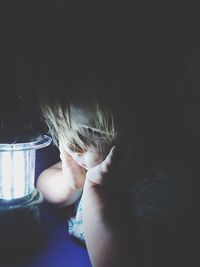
56, 101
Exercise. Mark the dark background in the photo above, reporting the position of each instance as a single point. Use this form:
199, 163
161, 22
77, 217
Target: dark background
155, 48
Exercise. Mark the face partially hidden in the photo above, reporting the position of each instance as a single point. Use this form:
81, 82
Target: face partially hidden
86, 159
83, 115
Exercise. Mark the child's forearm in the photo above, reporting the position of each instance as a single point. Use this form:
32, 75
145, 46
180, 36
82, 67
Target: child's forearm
56, 188
109, 240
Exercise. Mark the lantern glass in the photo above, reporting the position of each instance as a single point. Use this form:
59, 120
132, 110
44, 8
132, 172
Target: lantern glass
17, 168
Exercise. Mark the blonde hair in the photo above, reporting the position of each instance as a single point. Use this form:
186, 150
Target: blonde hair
56, 111
115, 119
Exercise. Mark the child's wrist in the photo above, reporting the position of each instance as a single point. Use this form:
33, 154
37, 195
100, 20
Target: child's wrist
95, 186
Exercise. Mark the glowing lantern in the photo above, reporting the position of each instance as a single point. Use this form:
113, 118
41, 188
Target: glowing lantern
20, 202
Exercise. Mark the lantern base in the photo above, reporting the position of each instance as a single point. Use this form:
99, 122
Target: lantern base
21, 227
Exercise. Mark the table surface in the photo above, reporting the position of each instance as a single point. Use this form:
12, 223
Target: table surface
59, 249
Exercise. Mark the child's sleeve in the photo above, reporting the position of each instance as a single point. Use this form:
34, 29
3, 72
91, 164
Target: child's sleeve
75, 221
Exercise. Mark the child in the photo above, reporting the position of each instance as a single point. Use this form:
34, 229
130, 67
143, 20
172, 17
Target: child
128, 203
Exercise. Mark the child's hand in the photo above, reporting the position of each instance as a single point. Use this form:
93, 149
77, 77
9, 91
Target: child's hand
98, 173
71, 170
117, 169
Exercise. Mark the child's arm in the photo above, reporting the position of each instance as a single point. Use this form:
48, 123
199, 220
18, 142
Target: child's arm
107, 221
114, 237
62, 183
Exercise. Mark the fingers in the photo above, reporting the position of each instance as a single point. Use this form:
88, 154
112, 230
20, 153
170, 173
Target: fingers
107, 163
117, 163
64, 156
67, 160
61, 149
